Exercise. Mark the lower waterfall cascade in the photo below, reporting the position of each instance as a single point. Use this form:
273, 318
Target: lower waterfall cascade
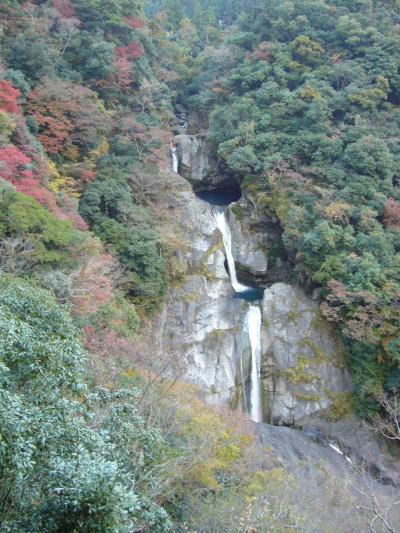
253, 323
174, 156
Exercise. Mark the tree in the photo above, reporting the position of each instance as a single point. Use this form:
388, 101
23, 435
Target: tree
107, 205
106, 15
9, 97
70, 118
175, 13
392, 213
22, 217
56, 468
31, 56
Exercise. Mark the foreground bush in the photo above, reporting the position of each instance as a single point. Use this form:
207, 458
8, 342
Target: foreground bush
63, 465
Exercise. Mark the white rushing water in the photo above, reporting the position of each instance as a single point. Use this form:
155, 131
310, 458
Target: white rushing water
174, 155
253, 322
223, 227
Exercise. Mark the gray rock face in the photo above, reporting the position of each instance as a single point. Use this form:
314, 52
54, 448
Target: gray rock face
247, 245
204, 327
302, 370
194, 157
202, 323
201, 320
257, 244
364, 445
326, 472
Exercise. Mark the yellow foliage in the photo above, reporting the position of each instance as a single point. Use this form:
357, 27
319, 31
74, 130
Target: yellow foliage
295, 66
228, 454
368, 218
309, 93
71, 153
217, 444
66, 184
307, 48
219, 90
7, 126
130, 373
203, 475
279, 203
371, 97
336, 57
61, 183
268, 481
338, 211
54, 177
98, 152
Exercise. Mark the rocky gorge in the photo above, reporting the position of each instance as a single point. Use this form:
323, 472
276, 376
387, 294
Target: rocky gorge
303, 380
301, 368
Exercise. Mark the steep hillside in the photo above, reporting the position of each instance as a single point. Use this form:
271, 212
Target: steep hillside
305, 114
199, 242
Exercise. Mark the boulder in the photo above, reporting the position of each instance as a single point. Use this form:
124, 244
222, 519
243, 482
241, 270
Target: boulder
257, 244
194, 157
303, 371
247, 243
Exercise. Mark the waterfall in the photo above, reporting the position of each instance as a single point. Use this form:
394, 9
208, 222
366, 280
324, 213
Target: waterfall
223, 227
253, 323
174, 155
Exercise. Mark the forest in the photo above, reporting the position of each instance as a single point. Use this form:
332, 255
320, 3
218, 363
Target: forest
301, 99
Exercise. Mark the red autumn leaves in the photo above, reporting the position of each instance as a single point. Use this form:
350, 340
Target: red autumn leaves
21, 163
14, 163
124, 56
9, 98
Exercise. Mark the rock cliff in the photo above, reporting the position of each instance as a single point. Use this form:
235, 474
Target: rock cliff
303, 368
195, 161
201, 319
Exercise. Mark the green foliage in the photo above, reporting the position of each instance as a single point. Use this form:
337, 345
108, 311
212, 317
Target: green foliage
31, 56
106, 14
49, 237
64, 462
38, 340
119, 314
92, 55
306, 119
225, 10
108, 206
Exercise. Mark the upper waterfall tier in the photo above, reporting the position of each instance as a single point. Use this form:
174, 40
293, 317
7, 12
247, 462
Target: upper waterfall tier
242, 291
227, 238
